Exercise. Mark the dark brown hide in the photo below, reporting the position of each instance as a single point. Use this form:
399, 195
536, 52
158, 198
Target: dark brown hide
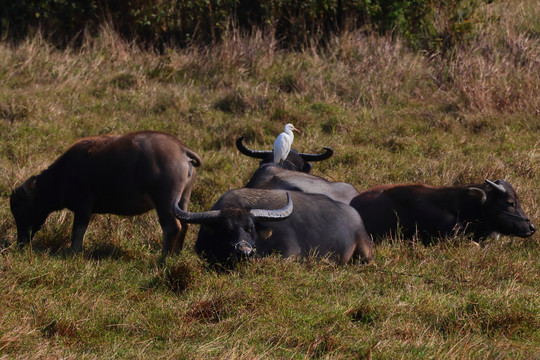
479, 210
124, 175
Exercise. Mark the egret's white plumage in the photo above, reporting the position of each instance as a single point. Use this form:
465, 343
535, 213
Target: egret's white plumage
283, 143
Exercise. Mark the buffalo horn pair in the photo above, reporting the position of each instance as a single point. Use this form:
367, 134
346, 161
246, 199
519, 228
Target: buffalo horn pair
262, 154
214, 215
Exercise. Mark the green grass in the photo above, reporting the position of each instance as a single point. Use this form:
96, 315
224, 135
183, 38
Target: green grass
391, 115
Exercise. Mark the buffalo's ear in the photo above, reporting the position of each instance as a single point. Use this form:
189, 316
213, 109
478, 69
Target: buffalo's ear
264, 233
307, 167
477, 194
29, 186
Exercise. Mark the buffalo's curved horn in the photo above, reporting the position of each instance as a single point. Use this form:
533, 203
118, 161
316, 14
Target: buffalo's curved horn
318, 157
195, 217
496, 186
259, 154
283, 213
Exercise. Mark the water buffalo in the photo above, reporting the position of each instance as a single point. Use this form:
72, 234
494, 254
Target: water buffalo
480, 210
295, 160
124, 175
270, 176
244, 222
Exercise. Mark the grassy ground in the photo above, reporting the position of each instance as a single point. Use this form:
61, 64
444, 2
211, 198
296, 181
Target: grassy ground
391, 115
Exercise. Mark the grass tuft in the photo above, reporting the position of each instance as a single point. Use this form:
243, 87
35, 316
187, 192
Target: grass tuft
233, 103
207, 311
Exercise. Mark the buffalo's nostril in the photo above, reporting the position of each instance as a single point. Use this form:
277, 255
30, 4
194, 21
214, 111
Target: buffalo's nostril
245, 252
532, 228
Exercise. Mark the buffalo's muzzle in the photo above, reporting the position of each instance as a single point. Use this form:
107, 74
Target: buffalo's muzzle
244, 249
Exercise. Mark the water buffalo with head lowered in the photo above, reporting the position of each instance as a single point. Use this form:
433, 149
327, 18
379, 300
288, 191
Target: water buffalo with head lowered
246, 222
270, 176
480, 210
125, 175
295, 160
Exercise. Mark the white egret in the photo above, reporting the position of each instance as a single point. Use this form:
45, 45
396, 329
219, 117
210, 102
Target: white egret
283, 143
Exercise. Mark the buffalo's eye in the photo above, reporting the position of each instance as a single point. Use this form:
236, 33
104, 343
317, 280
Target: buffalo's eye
249, 228
510, 203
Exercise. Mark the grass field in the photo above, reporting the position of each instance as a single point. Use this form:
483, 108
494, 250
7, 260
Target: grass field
391, 115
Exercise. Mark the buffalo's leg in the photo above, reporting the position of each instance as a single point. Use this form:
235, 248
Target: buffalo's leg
169, 225
179, 243
80, 224
183, 204
174, 231
171, 230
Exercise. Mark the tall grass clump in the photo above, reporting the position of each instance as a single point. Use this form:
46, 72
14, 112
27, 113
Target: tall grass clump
443, 116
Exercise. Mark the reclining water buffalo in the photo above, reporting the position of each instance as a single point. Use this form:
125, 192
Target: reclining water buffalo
295, 161
246, 222
125, 175
269, 176
480, 210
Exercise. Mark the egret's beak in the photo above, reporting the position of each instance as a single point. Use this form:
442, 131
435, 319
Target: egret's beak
295, 129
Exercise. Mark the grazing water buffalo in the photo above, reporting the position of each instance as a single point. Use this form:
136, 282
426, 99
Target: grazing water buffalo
294, 161
125, 175
269, 176
243, 223
481, 210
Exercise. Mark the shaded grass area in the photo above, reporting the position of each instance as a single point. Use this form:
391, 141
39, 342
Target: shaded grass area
391, 115
409, 304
